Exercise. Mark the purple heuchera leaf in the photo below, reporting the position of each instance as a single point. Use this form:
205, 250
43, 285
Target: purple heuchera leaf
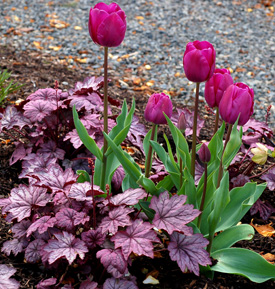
92, 238
13, 118
189, 116
88, 284
24, 198
118, 178
137, 238
113, 283
37, 110
5, 281
68, 218
91, 101
32, 252
188, 251
118, 217
199, 170
46, 94
129, 198
19, 153
65, 245
41, 225
240, 180
255, 130
270, 178
171, 213
46, 284
54, 178
33, 162
265, 209
113, 261
20, 229
89, 85
136, 133
14, 246
51, 148
83, 191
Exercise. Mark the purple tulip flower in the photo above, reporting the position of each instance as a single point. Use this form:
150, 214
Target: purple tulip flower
238, 99
216, 86
107, 24
199, 61
157, 104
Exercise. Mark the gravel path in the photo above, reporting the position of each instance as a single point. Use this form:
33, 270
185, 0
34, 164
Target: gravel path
242, 32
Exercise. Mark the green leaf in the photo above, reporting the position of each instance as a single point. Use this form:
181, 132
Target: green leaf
148, 185
231, 236
244, 262
189, 188
241, 200
233, 145
150, 213
83, 176
126, 161
89, 143
146, 144
220, 200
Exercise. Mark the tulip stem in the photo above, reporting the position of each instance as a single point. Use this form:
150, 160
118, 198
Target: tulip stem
194, 136
203, 194
225, 144
150, 150
181, 173
105, 145
217, 120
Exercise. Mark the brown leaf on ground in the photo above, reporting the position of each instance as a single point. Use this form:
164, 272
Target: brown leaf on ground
264, 230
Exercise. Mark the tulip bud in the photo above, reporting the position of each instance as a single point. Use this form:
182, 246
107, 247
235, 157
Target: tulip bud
199, 61
107, 24
182, 122
157, 104
204, 153
238, 99
216, 86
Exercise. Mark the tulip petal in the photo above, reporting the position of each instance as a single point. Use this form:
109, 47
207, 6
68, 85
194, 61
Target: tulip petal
113, 7
111, 31
95, 19
196, 66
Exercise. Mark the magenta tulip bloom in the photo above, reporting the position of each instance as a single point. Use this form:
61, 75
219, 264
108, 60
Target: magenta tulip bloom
199, 61
216, 85
158, 104
237, 99
107, 24
204, 153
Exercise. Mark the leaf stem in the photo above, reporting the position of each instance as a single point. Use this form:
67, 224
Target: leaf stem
150, 150
203, 194
216, 120
105, 145
194, 136
225, 144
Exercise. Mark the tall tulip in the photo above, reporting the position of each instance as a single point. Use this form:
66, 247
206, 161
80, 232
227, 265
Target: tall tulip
158, 104
107, 27
238, 99
199, 61
107, 24
199, 64
215, 87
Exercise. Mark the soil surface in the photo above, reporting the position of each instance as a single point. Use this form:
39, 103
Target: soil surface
37, 70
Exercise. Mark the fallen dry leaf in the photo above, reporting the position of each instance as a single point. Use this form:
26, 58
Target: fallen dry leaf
264, 230
269, 257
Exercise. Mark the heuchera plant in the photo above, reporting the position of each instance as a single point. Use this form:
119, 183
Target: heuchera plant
88, 211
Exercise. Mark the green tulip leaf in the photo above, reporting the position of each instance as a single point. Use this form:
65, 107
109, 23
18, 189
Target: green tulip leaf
89, 143
243, 262
83, 176
231, 236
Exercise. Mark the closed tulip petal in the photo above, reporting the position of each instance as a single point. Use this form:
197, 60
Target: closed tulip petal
107, 24
111, 31
96, 18
196, 66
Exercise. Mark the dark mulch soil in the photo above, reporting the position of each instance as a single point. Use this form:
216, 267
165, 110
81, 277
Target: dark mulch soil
36, 70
